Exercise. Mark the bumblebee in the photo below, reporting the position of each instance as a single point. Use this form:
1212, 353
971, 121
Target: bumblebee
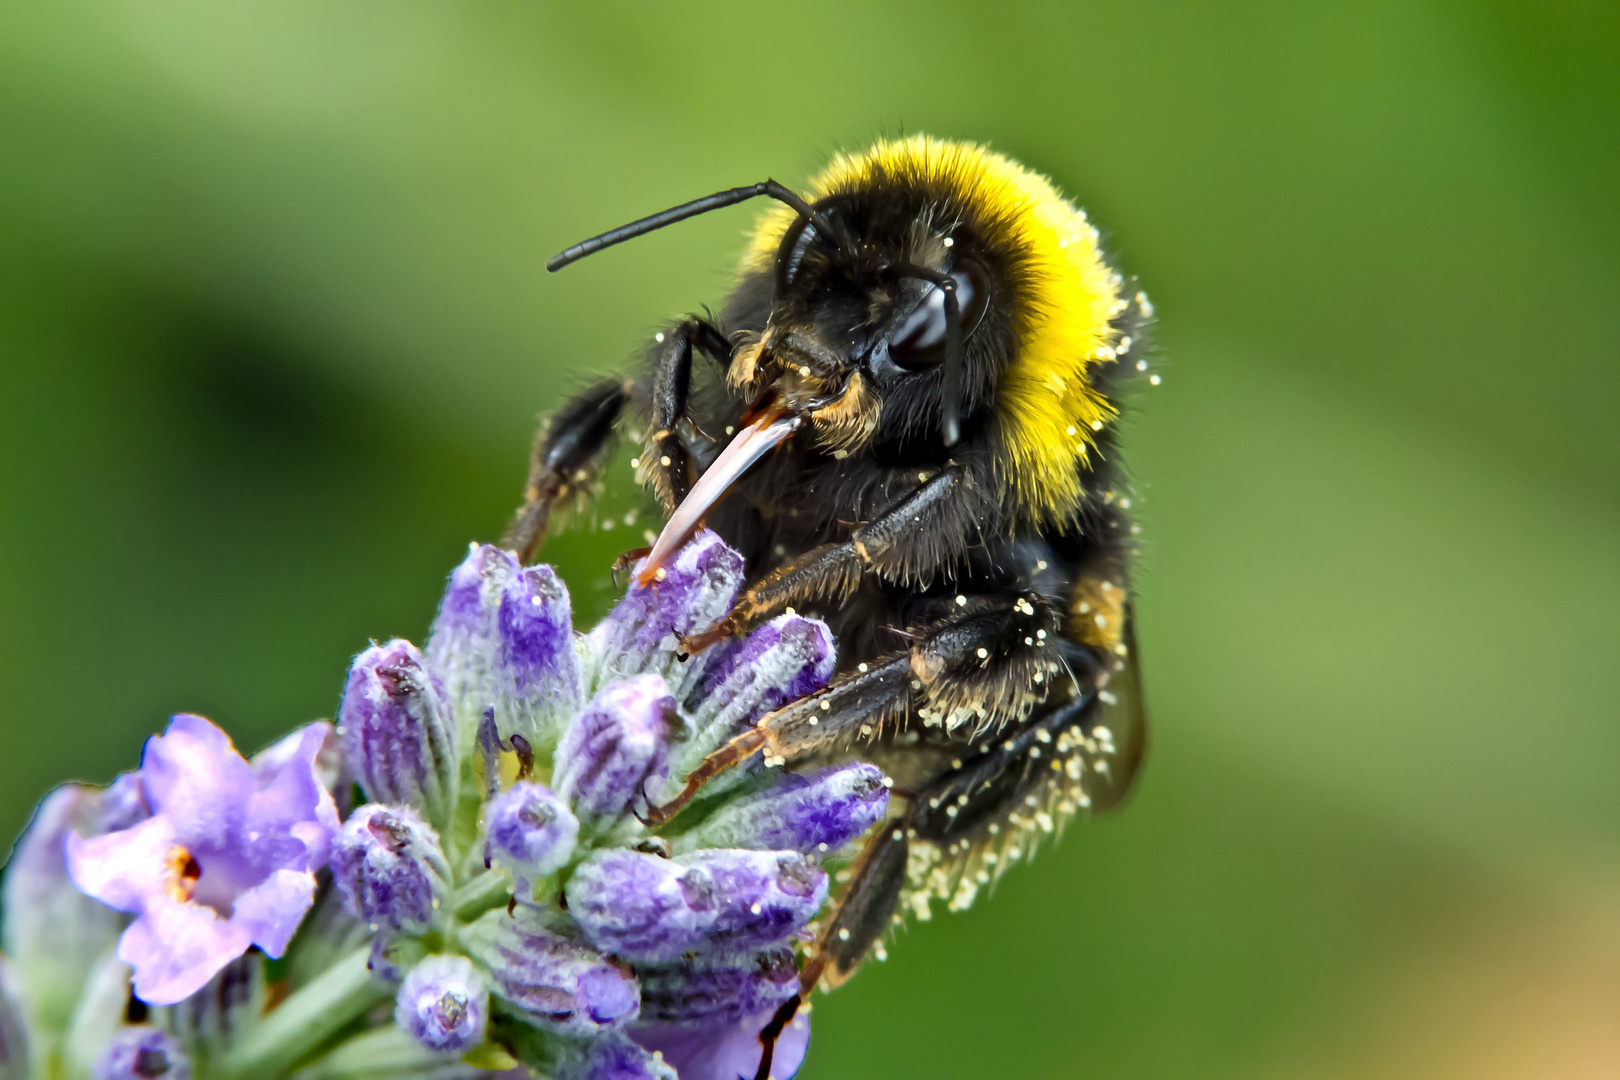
909, 430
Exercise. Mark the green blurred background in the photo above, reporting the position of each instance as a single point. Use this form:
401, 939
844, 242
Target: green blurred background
274, 329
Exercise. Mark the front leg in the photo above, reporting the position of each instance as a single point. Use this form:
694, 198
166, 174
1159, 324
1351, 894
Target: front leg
912, 541
567, 452
666, 463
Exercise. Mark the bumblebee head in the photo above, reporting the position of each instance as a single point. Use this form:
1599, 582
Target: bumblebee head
874, 316
924, 291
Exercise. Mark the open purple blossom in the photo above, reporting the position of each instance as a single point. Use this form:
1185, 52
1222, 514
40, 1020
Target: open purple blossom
226, 861
499, 887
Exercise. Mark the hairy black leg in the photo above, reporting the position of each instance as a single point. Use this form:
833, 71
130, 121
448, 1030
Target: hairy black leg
666, 460
988, 663
910, 540
567, 450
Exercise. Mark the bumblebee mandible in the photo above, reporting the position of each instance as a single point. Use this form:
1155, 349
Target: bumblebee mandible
910, 431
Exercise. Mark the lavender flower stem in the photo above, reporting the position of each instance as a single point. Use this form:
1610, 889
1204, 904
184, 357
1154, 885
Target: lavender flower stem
484, 892
306, 1019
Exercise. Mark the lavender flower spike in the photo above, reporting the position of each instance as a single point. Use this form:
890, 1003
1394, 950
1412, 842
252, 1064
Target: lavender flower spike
815, 814
387, 863
398, 732
226, 861
504, 641
650, 910
557, 983
616, 745
444, 1004
143, 1053
530, 830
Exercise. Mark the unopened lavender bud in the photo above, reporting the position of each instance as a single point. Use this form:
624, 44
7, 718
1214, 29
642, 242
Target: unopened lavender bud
529, 829
615, 745
719, 987
444, 1004
815, 813
143, 1053
504, 640
387, 862
779, 662
696, 591
398, 732
558, 983
614, 1057
649, 909
52, 933
15, 1051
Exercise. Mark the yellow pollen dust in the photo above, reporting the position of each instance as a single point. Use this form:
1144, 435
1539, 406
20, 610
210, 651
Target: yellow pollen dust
181, 874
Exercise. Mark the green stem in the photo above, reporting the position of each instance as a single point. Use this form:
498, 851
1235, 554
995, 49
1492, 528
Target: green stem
306, 1019
487, 890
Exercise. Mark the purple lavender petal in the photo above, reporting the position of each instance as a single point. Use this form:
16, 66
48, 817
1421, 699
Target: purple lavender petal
699, 586
398, 731
195, 778
779, 662
710, 987
124, 803
815, 814
649, 909
614, 1057
52, 932
529, 829
444, 1004
143, 1053
558, 983
387, 863
176, 948
504, 640
619, 742
270, 911
725, 1050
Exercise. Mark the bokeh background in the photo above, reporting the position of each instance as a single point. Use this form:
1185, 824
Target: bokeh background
274, 330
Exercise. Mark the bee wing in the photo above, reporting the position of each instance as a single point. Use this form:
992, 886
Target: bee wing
1124, 715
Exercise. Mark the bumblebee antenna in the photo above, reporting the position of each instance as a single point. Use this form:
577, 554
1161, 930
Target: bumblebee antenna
690, 209
951, 370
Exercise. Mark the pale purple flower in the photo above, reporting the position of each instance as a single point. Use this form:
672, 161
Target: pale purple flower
649, 909
529, 829
816, 813
123, 803
615, 745
387, 863
398, 732
444, 1004
226, 861
558, 983
53, 933
143, 1053
726, 1049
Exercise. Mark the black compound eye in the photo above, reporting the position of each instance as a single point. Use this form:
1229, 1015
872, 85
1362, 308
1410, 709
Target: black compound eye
919, 342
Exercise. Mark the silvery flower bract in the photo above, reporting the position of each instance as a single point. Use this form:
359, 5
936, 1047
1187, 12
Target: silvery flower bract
496, 899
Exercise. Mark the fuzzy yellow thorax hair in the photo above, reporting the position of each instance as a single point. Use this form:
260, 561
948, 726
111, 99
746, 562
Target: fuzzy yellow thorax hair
1046, 411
